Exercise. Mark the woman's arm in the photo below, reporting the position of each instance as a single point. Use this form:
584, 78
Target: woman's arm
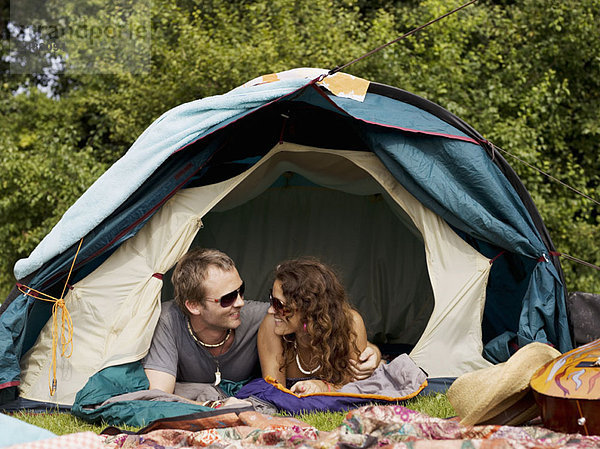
270, 350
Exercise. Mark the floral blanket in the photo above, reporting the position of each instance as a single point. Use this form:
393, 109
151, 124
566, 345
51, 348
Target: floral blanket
390, 427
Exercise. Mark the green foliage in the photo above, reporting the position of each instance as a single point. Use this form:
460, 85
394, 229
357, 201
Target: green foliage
44, 167
525, 74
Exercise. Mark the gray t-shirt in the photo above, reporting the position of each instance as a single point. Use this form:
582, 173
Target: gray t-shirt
174, 351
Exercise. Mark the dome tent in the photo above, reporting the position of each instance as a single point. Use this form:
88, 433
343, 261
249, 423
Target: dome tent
437, 240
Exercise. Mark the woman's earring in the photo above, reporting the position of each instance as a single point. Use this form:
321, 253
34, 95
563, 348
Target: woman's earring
305, 327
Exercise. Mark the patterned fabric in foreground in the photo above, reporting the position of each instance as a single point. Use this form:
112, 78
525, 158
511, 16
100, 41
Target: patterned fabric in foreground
390, 427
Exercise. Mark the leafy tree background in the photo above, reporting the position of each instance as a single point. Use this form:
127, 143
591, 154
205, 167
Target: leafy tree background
525, 74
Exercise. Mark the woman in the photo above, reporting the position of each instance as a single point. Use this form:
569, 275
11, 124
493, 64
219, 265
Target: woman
311, 335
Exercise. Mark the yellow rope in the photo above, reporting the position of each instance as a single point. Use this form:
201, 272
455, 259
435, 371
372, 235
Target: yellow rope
66, 338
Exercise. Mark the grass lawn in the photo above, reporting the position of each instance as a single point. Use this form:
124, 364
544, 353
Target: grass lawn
63, 423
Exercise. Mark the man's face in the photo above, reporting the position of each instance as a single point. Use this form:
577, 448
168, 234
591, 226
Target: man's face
210, 312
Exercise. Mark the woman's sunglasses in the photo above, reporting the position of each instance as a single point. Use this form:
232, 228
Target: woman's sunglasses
279, 307
228, 299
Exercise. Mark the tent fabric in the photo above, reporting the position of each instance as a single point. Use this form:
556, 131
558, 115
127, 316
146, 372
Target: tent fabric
184, 124
435, 174
125, 284
117, 380
485, 207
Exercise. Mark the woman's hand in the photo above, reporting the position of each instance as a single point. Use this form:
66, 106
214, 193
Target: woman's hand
309, 386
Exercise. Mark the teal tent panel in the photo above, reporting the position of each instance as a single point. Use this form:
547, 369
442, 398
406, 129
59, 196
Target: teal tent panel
439, 172
378, 109
118, 380
12, 331
544, 315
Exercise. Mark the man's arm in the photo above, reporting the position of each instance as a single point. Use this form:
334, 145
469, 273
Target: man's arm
367, 362
160, 381
370, 357
160, 364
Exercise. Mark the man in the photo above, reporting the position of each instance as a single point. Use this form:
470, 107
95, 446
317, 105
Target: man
208, 333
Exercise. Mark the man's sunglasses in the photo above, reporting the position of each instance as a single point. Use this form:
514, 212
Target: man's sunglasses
228, 299
277, 305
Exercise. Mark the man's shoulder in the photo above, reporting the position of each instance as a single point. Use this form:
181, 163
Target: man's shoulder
168, 306
170, 311
258, 308
253, 313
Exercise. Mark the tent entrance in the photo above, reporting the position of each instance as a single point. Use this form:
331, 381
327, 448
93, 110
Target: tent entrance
378, 252
408, 273
414, 279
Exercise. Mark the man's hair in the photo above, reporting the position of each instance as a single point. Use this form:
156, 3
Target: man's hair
191, 271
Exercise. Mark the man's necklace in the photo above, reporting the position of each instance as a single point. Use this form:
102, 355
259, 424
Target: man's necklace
206, 345
302, 370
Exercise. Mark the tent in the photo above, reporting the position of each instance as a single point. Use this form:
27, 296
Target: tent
438, 242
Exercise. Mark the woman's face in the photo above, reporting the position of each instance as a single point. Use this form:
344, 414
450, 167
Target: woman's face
285, 322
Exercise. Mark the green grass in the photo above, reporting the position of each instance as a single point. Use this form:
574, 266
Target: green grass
63, 423
436, 404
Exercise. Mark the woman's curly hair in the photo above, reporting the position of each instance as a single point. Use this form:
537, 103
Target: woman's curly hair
313, 290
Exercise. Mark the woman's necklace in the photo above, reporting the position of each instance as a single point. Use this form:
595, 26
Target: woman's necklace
302, 370
206, 345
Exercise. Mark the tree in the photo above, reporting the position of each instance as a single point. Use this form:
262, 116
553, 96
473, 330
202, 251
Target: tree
525, 74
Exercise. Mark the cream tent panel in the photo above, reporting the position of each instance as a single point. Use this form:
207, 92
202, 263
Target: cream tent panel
452, 342
115, 308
